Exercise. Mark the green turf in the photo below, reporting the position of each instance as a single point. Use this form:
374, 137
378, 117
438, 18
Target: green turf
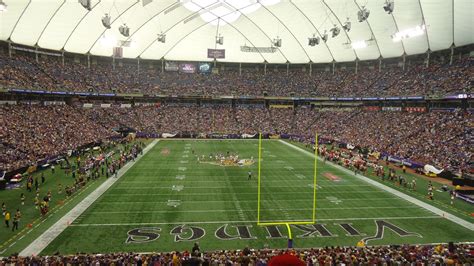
12, 242
442, 200
211, 197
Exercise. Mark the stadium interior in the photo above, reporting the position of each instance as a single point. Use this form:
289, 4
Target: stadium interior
237, 132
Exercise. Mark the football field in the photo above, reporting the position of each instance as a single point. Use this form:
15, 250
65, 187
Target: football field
180, 193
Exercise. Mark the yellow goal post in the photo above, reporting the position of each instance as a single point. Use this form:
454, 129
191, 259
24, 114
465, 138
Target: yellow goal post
287, 223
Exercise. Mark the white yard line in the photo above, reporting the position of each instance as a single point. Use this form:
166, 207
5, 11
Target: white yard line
227, 201
50, 234
255, 221
148, 178
220, 181
254, 210
395, 192
226, 187
249, 193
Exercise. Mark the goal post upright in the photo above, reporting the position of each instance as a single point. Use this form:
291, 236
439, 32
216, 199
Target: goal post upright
315, 175
287, 224
258, 174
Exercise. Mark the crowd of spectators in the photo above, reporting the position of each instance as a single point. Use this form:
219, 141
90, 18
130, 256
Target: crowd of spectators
30, 133
459, 254
48, 73
33, 132
438, 138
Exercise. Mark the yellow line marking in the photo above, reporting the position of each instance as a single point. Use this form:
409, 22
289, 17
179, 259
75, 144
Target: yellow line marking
285, 223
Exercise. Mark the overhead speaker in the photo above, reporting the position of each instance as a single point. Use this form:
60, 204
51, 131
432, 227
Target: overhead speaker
106, 21
124, 30
86, 4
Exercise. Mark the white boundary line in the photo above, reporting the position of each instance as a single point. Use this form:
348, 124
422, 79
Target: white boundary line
395, 192
40, 243
255, 221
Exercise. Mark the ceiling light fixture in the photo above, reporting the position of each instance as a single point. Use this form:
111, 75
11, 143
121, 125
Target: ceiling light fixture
124, 30
359, 44
86, 4
220, 40
325, 36
106, 21
3, 6
409, 33
277, 42
363, 14
347, 25
313, 41
162, 37
389, 6
227, 10
335, 31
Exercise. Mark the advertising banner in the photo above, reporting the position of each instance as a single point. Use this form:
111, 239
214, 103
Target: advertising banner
216, 53
187, 68
391, 108
171, 66
415, 109
372, 108
205, 67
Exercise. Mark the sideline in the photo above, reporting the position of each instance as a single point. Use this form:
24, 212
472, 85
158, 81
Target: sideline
40, 243
395, 192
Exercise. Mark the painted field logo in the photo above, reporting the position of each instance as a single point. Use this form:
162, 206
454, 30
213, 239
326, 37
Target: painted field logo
332, 177
229, 161
143, 235
312, 186
334, 200
177, 187
187, 233
182, 233
381, 225
300, 176
165, 152
173, 203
